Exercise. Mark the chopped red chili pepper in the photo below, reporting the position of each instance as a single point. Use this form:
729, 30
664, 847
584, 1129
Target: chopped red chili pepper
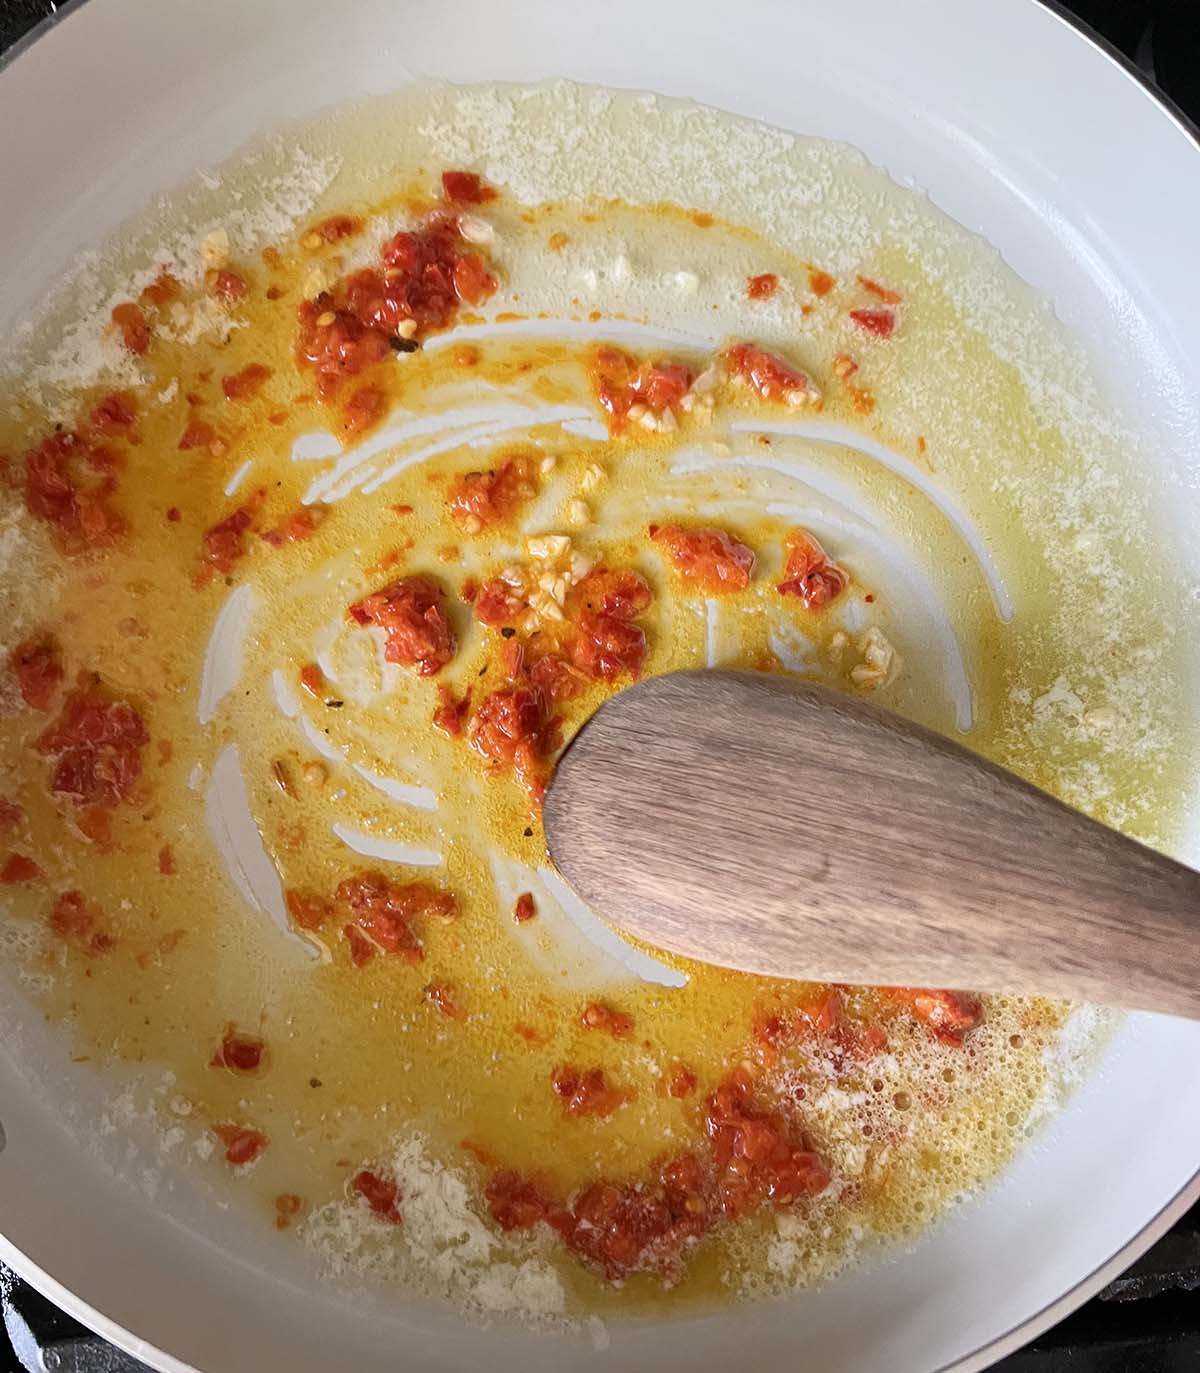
451, 714
517, 1203
711, 558
361, 948
950, 1015
68, 484
410, 613
882, 293
18, 868
197, 434
240, 1052
384, 910
114, 415
763, 286
166, 861
768, 374
482, 500
242, 1144
296, 527
514, 729
681, 1081
74, 919
881, 323
756, 1156
228, 284
525, 909
97, 745
586, 1091
820, 283
424, 275
597, 1016
621, 383
337, 227
247, 382
135, 331
312, 679
380, 1194
809, 574
11, 815
224, 544
466, 187
308, 911
441, 996
37, 665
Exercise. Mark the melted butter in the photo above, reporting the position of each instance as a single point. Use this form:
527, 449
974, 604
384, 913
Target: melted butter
357, 1055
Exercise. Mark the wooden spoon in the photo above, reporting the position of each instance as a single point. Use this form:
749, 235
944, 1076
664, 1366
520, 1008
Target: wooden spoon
768, 824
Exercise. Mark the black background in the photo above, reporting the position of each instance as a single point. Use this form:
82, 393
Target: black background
1149, 1322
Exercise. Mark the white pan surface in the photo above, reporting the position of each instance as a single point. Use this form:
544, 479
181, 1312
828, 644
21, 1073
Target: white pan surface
1019, 128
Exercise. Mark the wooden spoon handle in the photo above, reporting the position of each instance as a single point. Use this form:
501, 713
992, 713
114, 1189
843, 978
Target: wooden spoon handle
777, 826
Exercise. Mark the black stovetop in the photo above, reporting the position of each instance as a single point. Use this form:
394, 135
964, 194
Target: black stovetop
1148, 1321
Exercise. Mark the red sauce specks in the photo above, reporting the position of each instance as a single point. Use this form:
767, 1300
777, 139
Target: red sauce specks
410, 613
224, 544
381, 1195
337, 227
767, 373
75, 919
879, 292
36, 663
295, 528
763, 286
597, 1016
525, 909
451, 713
621, 383
166, 861
197, 434
18, 868
587, 1092
11, 815
482, 500
467, 188
712, 559
950, 1015
68, 484
881, 323
809, 575
248, 382
423, 277
441, 996
820, 283
385, 910
242, 1144
242, 1053
755, 1155
97, 745
129, 319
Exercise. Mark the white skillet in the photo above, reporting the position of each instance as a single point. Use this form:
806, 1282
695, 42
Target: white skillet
1019, 127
